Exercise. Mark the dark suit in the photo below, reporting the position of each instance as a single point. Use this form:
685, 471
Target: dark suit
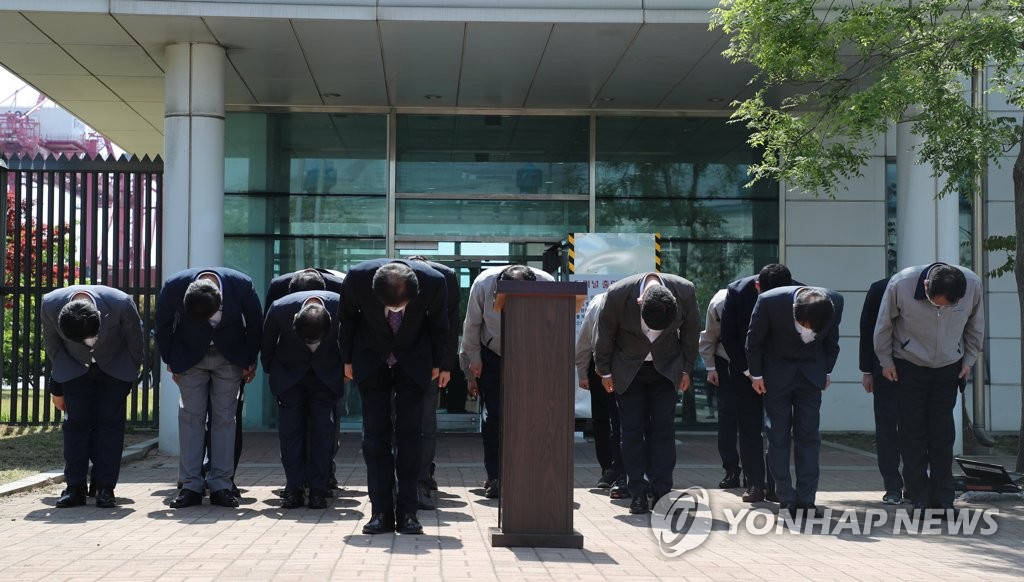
94, 381
366, 340
449, 363
209, 361
885, 394
646, 390
307, 384
795, 374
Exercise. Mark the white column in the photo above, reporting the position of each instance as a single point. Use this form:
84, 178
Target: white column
193, 205
927, 227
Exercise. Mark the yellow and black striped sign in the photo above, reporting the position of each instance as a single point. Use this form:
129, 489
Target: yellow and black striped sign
657, 252
572, 253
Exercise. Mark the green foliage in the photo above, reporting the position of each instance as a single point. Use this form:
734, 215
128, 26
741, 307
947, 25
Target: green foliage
833, 78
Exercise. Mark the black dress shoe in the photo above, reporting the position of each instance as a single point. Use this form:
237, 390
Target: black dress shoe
639, 505
608, 477
492, 490
408, 524
105, 497
619, 489
770, 495
317, 499
234, 490
71, 497
423, 499
292, 498
809, 510
223, 498
186, 498
753, 494
792, 508
332, 482
380, 523
730, 481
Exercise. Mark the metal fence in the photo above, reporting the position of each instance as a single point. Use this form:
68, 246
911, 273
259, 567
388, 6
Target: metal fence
67, 222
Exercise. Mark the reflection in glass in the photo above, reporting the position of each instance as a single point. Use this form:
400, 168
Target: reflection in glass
358, 216
492, 154
491, 218
689, 218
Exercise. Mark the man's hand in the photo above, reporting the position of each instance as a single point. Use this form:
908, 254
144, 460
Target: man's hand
713, 377
442, 380
435, 373
249, 373
868, 382
58, 401
684, 384
473, 388
348, 372
476, 369
828, 381
758, 385
890, 374
609, 384
585, 383
965, 372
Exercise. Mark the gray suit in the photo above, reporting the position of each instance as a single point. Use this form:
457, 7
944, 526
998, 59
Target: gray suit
119, 345
647, 390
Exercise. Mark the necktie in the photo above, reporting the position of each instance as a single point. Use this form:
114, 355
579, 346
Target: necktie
394, 321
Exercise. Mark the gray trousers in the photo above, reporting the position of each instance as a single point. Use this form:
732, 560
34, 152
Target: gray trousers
429, 442
208, 388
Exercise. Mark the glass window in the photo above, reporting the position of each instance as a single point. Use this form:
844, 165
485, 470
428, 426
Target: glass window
691, 218
491, 218
359, 216
492, 154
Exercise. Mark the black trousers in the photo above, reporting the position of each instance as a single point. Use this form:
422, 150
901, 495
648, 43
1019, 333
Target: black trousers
887, 432
794, 418
387, 392
647, 414
306, 411
927, 397
490, 390
95, 407
604, 411
728, 417
750, 421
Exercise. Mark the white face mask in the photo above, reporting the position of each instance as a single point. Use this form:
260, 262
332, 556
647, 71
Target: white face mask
313, 345
90, 341
806, 335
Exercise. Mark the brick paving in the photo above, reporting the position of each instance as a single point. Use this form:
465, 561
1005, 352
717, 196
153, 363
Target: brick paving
143, 539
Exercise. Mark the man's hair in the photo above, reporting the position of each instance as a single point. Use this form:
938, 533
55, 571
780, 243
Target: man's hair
517, 273
659, 307
947, 281
202, 300
774, 275
814, 308
312, 322
79, 319
395, 284
419, 258
307, 280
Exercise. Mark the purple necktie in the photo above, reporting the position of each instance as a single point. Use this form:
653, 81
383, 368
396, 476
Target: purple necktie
394, 321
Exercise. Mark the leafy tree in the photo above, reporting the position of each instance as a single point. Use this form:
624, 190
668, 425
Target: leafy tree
833, 78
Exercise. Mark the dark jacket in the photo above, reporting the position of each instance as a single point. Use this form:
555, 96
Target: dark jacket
287, 358
279, 285
740, 297
868, 317
451, 345
183, 342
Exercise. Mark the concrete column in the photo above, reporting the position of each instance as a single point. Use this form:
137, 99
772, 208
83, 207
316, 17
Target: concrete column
927, 227
193, 205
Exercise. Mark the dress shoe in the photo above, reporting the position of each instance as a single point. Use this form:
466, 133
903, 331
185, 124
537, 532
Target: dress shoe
223, 498
619, 489
753, 494
105, 497
810, 510
234, 490
608, 477
92, 490
379, 523
430, 478
731, 480
639, 505
186, 498
945, 511
292, 498
423, 500
71, 497
317, 499
770, 495
493, 489
332, 482
892, 498
409, 525
792, 508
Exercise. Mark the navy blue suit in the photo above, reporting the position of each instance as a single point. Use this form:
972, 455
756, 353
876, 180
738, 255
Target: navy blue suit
795, 373
278, 287
307, 384
366, 340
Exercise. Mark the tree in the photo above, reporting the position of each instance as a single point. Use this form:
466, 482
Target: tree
832, 79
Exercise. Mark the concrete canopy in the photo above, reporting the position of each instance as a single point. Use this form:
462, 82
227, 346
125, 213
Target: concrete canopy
104, 60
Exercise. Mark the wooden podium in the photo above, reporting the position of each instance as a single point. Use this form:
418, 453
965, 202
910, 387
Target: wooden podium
538, 332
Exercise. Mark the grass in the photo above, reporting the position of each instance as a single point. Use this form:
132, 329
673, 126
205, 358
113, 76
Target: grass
864, 441
28, 450
44, 401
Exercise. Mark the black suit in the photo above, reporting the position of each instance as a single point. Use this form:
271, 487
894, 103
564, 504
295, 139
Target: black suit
307, 384
885, 394
795, 374
366, 341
